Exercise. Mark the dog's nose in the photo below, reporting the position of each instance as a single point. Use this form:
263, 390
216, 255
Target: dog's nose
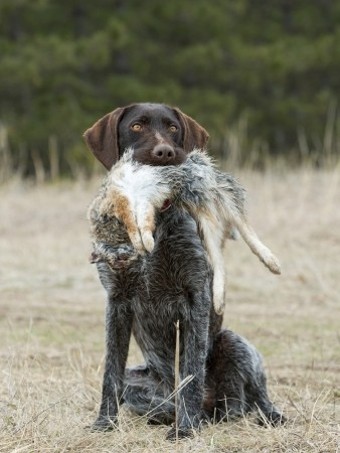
163, 154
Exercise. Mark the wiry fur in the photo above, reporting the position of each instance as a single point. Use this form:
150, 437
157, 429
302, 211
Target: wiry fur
148, 292
243, 387
134, 192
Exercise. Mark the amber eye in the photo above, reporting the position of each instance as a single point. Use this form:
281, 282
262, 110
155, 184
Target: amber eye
136, 127
173, 128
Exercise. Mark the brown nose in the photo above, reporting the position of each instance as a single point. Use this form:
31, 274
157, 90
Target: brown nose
163, 154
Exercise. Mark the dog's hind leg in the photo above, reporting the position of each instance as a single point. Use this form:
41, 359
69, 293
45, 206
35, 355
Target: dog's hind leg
225, 378
258, 399
237, 381
144, 396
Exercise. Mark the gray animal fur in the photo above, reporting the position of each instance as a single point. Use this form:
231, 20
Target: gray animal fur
244, 386
134, 192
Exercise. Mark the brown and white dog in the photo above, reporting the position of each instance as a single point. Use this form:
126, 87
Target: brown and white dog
148, 295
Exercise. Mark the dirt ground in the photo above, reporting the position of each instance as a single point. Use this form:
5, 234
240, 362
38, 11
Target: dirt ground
52, 321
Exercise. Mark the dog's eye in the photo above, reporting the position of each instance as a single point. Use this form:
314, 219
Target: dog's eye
173, 128
136, 127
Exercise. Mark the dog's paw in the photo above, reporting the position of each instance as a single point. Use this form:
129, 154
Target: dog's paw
273, 418
182, 433
104, 424
157, 419
234, 411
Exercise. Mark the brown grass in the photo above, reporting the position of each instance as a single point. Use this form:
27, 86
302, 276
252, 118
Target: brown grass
52, 313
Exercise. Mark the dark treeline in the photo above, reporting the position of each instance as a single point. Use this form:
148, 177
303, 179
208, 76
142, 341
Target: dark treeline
264, 74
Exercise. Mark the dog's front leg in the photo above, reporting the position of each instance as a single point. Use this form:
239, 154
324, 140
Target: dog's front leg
194, 335
118, 332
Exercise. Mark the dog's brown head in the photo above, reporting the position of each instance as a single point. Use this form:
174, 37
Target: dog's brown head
158, 135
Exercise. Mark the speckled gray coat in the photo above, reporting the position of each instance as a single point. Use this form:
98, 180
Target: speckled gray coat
146, 295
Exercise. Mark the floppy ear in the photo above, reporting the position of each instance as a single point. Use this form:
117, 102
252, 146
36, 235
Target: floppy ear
195, 136
102, 138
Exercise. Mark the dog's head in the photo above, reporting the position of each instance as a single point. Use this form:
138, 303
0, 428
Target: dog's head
157, 133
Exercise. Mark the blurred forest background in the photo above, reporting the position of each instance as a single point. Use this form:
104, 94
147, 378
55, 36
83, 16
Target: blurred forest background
262, 77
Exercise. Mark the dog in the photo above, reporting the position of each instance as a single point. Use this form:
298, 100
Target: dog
132, 193
172, 283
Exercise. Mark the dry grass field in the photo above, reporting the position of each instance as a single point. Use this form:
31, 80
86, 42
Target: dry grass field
52, 314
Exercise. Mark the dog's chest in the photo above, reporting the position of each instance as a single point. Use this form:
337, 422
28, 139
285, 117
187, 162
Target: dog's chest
160, 300
154, 326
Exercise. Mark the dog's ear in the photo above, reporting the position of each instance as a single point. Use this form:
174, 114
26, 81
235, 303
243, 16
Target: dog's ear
102, 138
195, 136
